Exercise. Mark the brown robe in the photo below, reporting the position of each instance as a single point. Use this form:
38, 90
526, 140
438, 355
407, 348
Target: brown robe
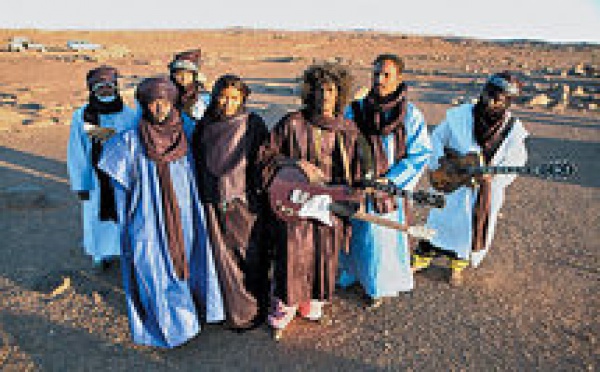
229, 185
306, 251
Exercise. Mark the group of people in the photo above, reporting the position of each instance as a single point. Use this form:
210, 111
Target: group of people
179, 191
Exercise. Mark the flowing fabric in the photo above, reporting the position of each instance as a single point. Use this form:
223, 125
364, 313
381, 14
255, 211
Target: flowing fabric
100, 237
379, 258
229, 181
164, 310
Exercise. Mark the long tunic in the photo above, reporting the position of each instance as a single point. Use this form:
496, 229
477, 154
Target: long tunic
306, 251
163, 310
454, 223
379, 257
100, 238
229, 183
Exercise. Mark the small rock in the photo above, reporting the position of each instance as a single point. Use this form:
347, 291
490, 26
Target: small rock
579, 92
540, 100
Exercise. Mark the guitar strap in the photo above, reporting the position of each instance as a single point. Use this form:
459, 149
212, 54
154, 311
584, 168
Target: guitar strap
345, 162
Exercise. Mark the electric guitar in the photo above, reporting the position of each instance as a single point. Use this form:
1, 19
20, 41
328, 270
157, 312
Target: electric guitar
292, 197
459, 170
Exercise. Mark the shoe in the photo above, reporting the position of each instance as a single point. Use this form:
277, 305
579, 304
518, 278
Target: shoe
281, 315
420, 262
312, 310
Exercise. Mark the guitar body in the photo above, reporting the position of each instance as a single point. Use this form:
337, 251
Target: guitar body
291, 187
451, 174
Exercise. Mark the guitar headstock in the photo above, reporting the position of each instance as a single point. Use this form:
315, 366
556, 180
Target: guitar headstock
559, 169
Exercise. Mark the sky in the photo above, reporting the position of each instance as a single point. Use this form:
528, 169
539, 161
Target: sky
550, 20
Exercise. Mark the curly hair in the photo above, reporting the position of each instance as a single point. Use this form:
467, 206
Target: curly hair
317, 75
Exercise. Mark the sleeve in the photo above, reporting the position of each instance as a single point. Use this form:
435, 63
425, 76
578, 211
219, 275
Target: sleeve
516, 156
79, 162
406, 173
117, 161
439, 140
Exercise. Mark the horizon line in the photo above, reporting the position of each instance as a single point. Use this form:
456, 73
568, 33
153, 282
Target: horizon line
309, 30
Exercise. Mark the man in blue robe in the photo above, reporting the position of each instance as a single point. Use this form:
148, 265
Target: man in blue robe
398, 144
103, 114
169, 274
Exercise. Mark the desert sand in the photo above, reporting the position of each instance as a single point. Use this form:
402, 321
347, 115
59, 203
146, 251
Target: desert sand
533, 304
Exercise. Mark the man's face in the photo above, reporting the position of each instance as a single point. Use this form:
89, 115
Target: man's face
326, 98
229, 101
160, 109
184, 77
386, 78
495, 100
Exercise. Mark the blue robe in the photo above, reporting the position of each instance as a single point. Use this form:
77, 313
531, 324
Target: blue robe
379, 257
100, 238
163, 310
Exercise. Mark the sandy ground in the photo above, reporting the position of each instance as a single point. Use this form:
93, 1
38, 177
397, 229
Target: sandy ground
533, 304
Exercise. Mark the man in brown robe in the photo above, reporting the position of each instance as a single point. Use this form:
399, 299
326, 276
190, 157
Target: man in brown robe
320, 140
225, 145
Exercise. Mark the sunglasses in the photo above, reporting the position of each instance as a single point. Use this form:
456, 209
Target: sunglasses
103, 84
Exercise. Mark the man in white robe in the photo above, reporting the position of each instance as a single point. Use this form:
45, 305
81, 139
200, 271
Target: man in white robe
465, 226
103, 114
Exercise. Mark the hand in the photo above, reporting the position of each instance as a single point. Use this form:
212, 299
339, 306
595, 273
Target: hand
314, 173
83, 195
484, 177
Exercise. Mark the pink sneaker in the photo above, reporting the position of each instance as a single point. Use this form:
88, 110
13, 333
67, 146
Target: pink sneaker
311, 310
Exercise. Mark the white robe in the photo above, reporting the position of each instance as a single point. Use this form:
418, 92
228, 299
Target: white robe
100, 238
454, 223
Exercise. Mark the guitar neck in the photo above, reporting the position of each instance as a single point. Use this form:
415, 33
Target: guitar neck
502, 170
